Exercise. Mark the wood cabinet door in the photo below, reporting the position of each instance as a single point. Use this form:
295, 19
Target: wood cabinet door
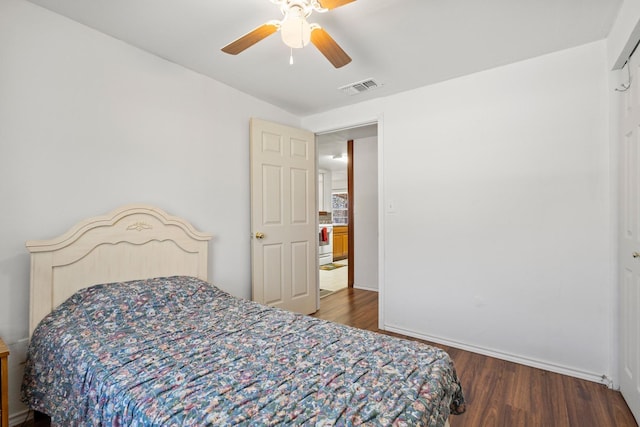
340, 242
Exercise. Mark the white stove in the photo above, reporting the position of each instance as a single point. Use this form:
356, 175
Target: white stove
325, 244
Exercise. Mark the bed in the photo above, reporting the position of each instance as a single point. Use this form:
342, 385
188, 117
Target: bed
127, 330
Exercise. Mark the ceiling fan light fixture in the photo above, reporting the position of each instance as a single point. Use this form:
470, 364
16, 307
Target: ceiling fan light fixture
295, 30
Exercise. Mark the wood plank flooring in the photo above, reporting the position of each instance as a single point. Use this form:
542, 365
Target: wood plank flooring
500, 393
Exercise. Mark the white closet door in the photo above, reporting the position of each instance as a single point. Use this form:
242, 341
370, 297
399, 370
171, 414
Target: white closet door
629, 239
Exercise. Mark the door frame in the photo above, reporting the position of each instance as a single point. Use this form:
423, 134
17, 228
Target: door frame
379, 121
350, 216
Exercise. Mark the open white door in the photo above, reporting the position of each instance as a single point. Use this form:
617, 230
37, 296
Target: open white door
283, 217
629, 240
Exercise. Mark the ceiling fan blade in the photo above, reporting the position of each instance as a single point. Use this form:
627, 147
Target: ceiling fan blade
332, 4
329, 48
251, 38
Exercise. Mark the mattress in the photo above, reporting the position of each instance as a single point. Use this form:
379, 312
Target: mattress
180, 351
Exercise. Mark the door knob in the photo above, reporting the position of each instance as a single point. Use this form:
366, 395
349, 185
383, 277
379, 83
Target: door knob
259, 235
636, 254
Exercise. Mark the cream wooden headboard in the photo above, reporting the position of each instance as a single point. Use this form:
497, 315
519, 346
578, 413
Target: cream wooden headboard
133, 242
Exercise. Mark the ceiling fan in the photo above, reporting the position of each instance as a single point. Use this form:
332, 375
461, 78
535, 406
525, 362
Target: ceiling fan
296, 31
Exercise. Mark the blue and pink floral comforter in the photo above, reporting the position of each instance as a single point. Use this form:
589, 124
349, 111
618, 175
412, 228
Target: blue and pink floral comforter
180, 352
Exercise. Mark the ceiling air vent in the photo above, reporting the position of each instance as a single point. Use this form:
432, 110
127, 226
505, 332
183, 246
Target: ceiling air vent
359, 87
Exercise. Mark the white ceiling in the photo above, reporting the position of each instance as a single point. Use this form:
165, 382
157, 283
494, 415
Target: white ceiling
402, 44
334, 144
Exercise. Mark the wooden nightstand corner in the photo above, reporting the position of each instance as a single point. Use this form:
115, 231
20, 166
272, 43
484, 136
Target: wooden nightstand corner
4, 384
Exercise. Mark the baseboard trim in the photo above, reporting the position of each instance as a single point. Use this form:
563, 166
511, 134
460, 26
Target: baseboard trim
534, 363
18, 418
364, 288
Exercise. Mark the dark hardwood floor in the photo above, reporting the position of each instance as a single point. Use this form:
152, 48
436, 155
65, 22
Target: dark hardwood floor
500, 393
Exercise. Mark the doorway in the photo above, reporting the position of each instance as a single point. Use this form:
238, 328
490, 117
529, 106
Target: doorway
348, 205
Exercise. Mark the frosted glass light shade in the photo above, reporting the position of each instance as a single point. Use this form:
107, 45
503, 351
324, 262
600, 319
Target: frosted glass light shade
295, 30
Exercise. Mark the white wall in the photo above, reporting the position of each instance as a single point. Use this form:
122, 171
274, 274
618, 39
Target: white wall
325, 201
88, 123
339, 182
498, 240
365, 211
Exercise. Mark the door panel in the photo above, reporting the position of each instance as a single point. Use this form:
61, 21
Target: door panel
272, 280
629, 242
299, 198
283, 212
300, 267
272, 197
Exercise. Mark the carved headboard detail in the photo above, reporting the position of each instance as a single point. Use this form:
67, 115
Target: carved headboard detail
132, 242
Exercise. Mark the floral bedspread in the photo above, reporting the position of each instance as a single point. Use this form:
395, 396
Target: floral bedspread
180, 352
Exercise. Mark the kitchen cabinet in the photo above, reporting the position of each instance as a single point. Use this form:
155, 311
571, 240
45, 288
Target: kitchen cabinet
340, 242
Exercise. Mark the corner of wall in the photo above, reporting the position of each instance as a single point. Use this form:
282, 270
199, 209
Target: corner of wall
624, 34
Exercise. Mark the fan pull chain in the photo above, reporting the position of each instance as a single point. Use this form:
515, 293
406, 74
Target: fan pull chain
291, 57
